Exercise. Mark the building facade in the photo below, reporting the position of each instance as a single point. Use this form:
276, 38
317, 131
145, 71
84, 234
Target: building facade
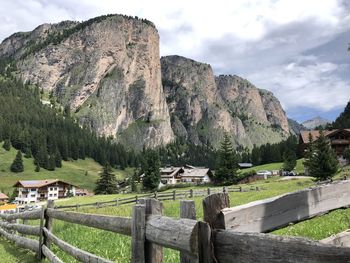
339, 139
40, 190
186, 174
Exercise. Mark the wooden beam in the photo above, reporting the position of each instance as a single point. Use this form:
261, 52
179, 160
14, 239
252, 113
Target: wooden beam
24, 242
176, 234
232, 246
138, 234
120, 225
75, 252
35, 214
341, 239
50, 255
23, 229
273, 213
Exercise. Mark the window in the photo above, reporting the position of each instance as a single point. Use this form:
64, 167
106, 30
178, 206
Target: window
55, 195
51, 189
50, 195
55, 188
33, 189
32, 195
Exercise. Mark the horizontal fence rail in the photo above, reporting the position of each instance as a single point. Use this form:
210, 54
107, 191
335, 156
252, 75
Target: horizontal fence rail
163, 196
273, 213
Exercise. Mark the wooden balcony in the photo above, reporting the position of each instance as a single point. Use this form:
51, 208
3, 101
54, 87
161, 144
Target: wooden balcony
340, 142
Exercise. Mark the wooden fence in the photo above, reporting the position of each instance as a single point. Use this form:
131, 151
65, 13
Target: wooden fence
162, 196
215, 240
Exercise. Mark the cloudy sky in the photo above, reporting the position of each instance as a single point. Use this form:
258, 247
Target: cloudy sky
295, 48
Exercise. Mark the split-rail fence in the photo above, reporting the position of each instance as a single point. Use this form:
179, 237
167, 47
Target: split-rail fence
236, 234
162, 196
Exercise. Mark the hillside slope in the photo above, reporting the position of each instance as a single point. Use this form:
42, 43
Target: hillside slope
82, 173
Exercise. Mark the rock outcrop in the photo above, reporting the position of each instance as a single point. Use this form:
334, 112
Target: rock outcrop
106, 70
203, 106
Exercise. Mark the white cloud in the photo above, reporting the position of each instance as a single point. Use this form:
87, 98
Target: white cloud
306, 83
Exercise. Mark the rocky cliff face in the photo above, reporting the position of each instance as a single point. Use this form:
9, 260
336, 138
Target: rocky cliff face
203, 106
106, 70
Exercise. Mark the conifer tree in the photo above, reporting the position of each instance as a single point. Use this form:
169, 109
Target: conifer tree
7, 145
150, 166
322, 163
107, 183
226, 167
347, 154
58, 159
17, 165
289, 160
51, 163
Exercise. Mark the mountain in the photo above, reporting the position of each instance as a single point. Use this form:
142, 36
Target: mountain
203, 106
295, 127
314, 122
107, 72
343, 121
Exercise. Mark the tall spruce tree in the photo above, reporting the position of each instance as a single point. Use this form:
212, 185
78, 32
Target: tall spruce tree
322, 162
226, 166
289, 160
150, 166
17, 165
107, 184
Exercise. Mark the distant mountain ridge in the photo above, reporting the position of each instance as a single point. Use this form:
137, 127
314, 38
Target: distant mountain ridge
107, 71
315, 122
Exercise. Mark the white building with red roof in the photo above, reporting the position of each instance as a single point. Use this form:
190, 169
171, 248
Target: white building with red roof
33, 191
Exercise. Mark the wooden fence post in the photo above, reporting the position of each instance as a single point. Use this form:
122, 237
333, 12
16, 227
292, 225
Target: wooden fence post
224, 189
174, 194
191, 193
187, 210
212, 205
48, 223
240, 188
205, 251
208, 190
153, 252
138, 229
155, 195
41, 237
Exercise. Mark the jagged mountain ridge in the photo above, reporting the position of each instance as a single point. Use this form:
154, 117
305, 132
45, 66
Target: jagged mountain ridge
315, 122
107, 70
204, 106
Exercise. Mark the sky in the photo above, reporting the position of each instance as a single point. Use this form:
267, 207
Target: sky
295, 48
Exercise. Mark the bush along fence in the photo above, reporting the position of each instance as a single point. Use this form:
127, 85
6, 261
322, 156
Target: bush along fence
223, 236
162, 196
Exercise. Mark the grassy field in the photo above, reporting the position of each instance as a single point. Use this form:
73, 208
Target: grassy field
72, 171
275, 166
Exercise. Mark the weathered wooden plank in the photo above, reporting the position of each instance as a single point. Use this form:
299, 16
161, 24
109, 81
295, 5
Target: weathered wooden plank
48, 222
35, 214
22, 241
341, 239
273, 213
178, 234
153, 252
50, 255
188, 210
212, 206
138, 234
23, 229
75, 252
120, 225
232, 246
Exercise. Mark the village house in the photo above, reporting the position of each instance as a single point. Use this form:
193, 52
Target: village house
3, 198
40, 190
185, 174
339, 138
